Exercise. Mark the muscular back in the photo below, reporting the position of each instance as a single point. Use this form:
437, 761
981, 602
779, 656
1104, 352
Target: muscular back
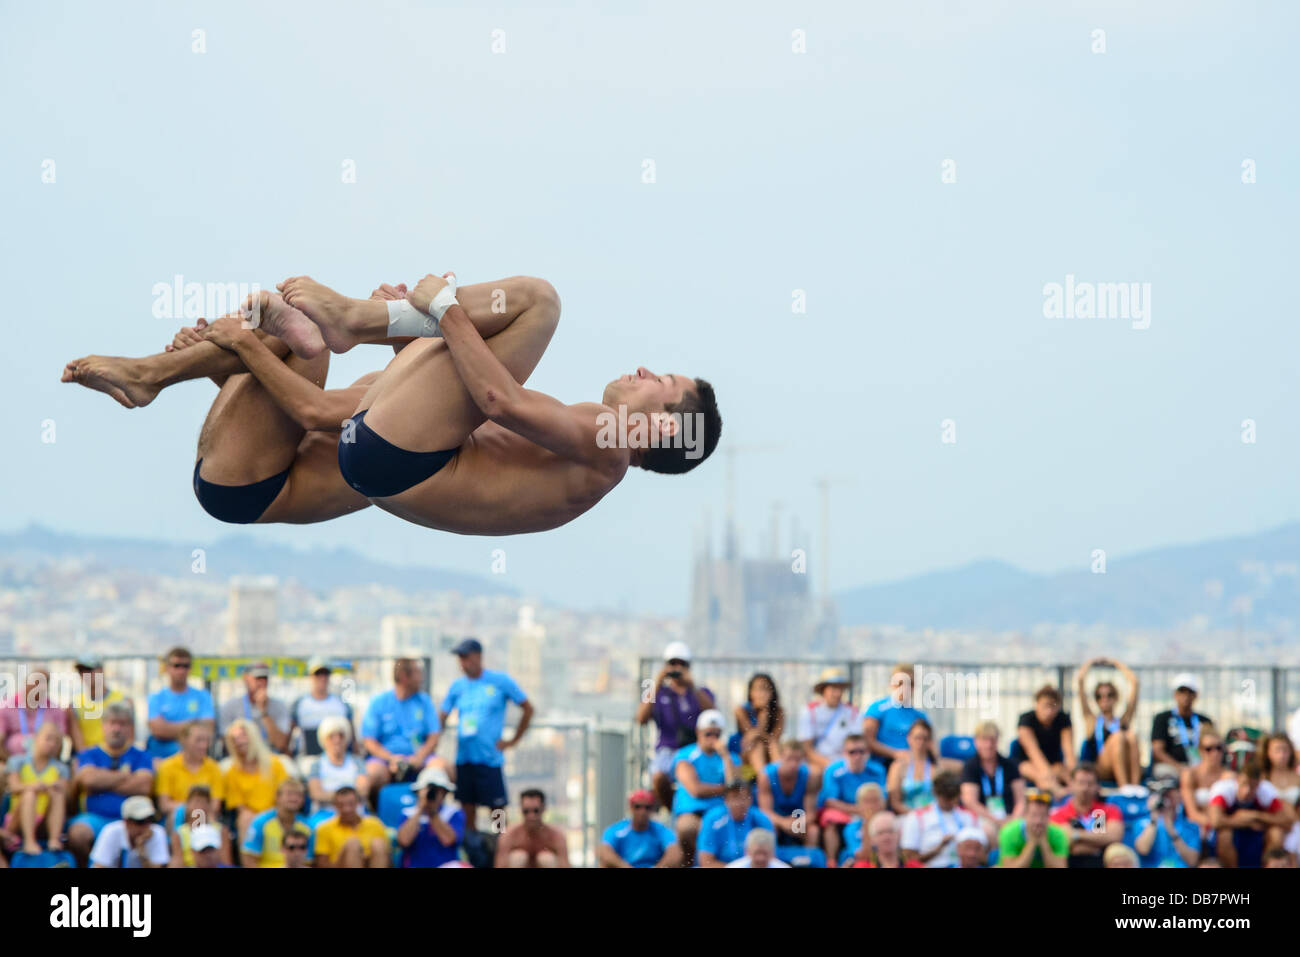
502, 484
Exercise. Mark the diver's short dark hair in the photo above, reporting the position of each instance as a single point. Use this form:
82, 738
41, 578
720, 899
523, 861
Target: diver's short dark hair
677, 457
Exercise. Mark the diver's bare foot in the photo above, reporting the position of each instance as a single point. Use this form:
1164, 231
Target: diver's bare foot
333, 312
270, 312
117, 377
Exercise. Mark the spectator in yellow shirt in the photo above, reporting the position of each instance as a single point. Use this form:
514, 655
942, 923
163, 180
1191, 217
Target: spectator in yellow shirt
187, 767
92, 697
253, 775
349, 839
38, 788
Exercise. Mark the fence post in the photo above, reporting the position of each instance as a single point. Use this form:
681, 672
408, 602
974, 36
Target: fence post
1279, 698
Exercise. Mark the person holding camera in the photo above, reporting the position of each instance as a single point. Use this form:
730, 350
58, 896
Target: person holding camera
1169, 838
431, 834
675, 704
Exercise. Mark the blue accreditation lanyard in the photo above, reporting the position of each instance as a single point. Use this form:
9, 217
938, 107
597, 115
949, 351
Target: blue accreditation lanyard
22, 720
1194, 742
996, 787
1099, 732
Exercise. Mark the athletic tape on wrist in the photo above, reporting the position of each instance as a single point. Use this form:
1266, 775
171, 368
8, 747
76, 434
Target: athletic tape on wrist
405, 320
445, 299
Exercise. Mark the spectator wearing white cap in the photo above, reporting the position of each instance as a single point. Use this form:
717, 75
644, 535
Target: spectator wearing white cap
972, 847
703, 771
318, 704
760, 851
270, 715
134, 841
1176, 733
205, 846
675, 705
434, 828
826, 721
336, 766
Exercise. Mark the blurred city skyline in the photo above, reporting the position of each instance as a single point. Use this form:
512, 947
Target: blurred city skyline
914, 181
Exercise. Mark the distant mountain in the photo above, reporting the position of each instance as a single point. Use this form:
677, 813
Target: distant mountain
1252, 580
316, 568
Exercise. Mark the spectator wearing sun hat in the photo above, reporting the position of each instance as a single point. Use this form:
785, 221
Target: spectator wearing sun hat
675, 705
639, 840
1176, 733
435, 827
826, 721
134, 841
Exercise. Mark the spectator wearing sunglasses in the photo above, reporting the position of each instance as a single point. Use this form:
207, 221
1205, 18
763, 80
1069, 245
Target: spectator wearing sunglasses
703, 770
837, 802
638, 840
1033, 840
1109, 741
177, 704
1197, 780
294, 850
533, 842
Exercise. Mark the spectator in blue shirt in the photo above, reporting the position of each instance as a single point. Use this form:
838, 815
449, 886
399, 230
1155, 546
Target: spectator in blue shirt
1168, 839
433, 830
885, 722
838, 801
637, 840
173, 707
785, 795
401, 727
702, 771
107, 776
479, 697
724, 829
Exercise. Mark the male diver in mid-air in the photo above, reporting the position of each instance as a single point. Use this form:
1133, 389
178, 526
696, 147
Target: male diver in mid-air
446, 436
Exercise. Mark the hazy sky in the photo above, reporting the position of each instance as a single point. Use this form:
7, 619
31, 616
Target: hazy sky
775, 171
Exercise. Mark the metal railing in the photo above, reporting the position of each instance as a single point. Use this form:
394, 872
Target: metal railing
959, 696
559, 758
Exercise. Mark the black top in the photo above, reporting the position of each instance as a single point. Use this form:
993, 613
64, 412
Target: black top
1049, 739
973, 772
1170, 728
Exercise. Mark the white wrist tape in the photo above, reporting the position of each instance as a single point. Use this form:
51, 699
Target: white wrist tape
445, 299
405, 320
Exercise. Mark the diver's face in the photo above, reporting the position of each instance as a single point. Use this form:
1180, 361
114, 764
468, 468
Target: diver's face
646, 391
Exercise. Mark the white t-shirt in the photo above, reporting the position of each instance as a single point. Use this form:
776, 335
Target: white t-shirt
112, 843
745, 862
1225, 792
924, 829
827, 727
